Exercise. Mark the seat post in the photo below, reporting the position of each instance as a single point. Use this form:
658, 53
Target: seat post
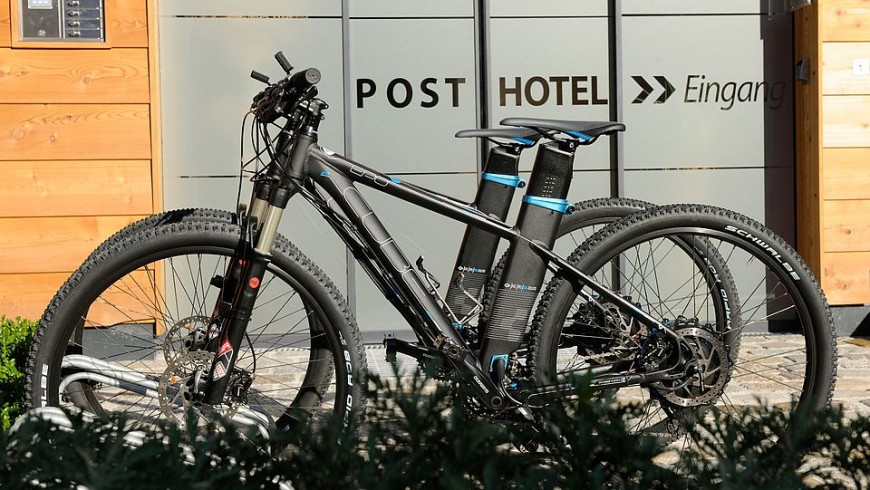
495, 192
540, 216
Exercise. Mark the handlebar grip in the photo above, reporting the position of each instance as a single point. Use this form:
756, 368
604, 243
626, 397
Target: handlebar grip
282, 60
260, 77
301, 80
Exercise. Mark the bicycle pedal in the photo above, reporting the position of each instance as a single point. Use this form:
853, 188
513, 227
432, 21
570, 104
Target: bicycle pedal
391, 347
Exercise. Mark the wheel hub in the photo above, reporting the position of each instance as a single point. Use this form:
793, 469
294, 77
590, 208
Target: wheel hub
706, 368
181, 383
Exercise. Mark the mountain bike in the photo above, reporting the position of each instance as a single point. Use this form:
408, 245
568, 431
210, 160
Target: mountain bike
218, 312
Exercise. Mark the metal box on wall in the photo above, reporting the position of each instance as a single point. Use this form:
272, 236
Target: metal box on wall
62, 20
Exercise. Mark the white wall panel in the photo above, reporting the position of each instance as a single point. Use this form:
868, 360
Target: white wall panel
412, 89
206, 88
249, 8
552, 68
732, 99
412, 83
411, 8
703, 186
682, 7
548, 8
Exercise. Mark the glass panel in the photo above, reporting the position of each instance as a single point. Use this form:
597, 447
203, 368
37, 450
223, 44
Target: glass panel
413, 88
552, 68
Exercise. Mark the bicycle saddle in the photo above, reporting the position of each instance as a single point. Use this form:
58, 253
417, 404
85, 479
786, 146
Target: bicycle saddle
525, 136
590, 129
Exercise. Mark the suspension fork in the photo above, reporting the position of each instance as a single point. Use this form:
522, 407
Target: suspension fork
244, 276
239, 292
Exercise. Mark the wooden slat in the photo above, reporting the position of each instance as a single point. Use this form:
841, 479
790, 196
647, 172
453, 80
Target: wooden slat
130, 299
845, 20
5, 24
32, 245
75, 188
156, 126
74, 132
847, 278
847, 228
82, 76
27, 295
838, 78
846, 121
127, 23
847, 173
808, 139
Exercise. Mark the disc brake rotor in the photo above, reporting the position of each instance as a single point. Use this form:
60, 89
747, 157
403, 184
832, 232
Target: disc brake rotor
180, 383
186, 335
711, 363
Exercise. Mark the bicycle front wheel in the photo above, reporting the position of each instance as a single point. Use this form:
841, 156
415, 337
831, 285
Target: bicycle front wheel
787, 345
124, 334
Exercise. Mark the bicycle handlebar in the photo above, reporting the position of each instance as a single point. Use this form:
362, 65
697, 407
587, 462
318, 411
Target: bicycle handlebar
302, 80
282, 97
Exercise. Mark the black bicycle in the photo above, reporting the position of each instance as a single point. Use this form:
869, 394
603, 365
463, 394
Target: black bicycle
677, 307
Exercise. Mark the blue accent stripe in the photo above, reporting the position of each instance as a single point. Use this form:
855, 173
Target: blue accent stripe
524, 141
509, 180
558, 205
395, 180
497, 357
325, 173
576, 134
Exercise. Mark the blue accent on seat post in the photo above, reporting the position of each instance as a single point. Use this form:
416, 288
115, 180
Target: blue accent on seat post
509, 180
558, 205
580, 135
504, 357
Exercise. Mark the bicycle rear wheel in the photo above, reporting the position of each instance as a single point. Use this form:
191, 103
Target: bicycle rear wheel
787, 345
124, 333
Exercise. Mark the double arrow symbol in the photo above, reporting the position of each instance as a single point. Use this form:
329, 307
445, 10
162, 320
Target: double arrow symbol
647, 89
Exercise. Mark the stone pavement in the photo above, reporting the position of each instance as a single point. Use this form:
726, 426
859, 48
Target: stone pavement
853, 375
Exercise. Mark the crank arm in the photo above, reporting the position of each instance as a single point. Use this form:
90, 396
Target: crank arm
416, 351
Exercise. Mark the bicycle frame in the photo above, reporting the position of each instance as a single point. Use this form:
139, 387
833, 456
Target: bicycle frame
357, 224
327, 180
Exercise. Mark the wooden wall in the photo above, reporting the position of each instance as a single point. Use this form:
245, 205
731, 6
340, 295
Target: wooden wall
834, 150
79, 150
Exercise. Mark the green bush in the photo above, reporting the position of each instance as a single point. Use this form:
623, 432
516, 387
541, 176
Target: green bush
15, 337
431, 438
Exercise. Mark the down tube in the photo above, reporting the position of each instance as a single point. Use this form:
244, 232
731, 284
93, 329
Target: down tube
340, 187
